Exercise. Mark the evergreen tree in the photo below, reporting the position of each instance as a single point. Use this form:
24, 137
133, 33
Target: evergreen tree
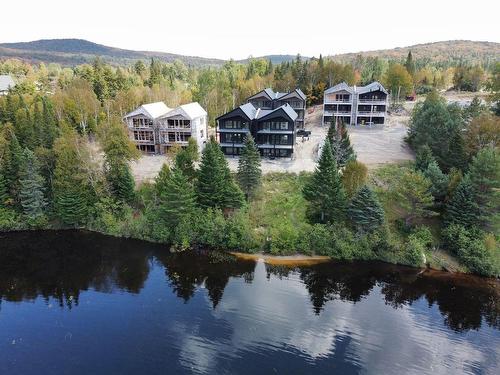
324, 190
4, 196
119, 150
185, 159
413, 196
423, 158
162, 179
438, 180
484, 174
176, 199
365, 210
249, 172
410, 64
72, 192
340, 144
462, 208
31, 193
215, 186
121, 182
11, 161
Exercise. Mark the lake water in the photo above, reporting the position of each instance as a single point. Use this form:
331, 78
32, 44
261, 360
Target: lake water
81, 303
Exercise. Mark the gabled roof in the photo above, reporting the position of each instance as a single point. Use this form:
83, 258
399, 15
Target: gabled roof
297, 92
6, 82
189, 111
271, 95
151, 110
374, 86
248, 110
289, 111
340, 87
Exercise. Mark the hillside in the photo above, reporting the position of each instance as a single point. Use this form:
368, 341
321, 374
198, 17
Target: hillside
77, 51
453, 50
72, 52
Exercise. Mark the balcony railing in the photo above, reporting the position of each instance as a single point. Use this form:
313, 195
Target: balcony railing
337, 113
372, 114
333, 100
371, 100
226, 130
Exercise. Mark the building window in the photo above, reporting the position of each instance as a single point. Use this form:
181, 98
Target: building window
202, 133
141, 135
284, 125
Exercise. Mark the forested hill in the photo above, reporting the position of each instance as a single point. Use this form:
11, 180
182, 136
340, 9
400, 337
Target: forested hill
78, 51
446, 51
72, 52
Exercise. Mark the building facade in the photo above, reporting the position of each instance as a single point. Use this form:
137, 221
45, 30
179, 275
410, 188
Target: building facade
6, 83
365, 105
268, 99
272, 129
155, 128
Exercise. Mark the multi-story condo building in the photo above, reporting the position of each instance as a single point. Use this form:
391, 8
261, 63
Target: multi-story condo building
155, 128
366, 105
272, 129
268, 99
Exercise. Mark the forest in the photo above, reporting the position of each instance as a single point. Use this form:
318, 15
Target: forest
64, 163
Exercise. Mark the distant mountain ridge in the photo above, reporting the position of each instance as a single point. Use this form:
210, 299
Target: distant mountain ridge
72, 52
475, 51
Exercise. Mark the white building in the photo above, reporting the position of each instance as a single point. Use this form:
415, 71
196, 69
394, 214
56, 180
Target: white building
6, 83
155, 128
364, 105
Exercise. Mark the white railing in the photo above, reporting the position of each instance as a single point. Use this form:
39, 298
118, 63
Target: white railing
330, 100
370, 100
334, 113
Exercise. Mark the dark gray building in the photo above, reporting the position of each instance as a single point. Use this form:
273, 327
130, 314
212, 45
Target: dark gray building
268, 99
273, 129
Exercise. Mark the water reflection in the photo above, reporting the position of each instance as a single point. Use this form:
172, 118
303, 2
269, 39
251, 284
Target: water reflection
60, 265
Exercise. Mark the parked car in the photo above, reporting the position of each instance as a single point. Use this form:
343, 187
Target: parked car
303, 133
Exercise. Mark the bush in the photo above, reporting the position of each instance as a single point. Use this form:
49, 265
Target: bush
9, 219
469, 245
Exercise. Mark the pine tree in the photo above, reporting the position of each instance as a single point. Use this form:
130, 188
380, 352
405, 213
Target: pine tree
462, 208
423, 158
365, 210
249, 172
11, 161
340, 144
413, 196
176, 200
119, 150
31, 193
162, 179
438, 179
484, 174
72, 192
324, 190
185, 159
4, 196
410, 64
215, 186
121, 182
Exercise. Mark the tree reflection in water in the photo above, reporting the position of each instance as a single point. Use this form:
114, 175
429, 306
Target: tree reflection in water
60, 265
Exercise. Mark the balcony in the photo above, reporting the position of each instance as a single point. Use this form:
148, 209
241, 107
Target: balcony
276, 146
336, 113
274, 131
328, 100
230, 144
371, 114
372, 101
226, 130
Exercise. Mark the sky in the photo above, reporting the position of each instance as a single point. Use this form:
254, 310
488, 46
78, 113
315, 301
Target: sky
239, 29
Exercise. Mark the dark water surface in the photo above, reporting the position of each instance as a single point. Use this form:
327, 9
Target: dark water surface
81, 303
